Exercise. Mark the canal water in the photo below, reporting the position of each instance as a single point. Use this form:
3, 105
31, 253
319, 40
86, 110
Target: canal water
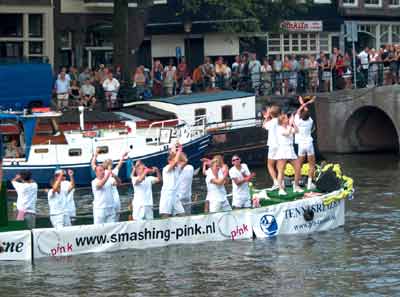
360, 259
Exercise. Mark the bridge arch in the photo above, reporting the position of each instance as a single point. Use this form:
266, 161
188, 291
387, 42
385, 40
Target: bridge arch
370, 128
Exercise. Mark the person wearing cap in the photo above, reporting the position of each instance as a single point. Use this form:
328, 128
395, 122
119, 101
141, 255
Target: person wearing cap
185, 179
240, 175
27, 190
103, 203
59, 197
142, 203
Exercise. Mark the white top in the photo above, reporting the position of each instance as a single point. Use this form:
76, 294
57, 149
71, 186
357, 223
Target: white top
70, 202
117, 201
143, 193
284, 140
103, 197
58, 201
185, 180
272, 126
363, 56
305, 128
241, 192
62, 86
27, 196
215, 192
111, 85
170, 179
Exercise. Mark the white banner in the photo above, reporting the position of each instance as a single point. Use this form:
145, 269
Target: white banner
128, 235
16, 245
288, 218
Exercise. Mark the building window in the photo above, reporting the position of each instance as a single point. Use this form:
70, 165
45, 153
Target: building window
11, 25
75, 152
199, 113
395, 33
372, 3
35, 25
350, 2
394, 3
10, 49
226, 113
36, 48
293, 43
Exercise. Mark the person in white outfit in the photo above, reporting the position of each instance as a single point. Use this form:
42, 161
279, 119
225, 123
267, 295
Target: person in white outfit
107, 164
271, 115
103, 203
169, 204
240, 175
111, 87
59, 204
304, 140
185, 180
142, 203
26, 189
216, 192
286, 153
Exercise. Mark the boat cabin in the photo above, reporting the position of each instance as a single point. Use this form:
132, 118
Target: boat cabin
226, 108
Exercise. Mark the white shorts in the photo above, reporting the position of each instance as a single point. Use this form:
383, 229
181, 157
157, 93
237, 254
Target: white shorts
103, 215
241, 203
60, 221
141, 213
272, 152
306, 149
169, 204
285, 152
217, 206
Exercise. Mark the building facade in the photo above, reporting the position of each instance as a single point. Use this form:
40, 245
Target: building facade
27, 29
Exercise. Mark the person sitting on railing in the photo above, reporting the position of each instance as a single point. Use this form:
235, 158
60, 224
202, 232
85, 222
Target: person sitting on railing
313, 74
88, 94
181, 73
111, 88
286, 71
62, 90
208, 73
198, 80
157, 77
241, 176
142, 203
326, 74
75, 93
187, 85
169, 79
374, 59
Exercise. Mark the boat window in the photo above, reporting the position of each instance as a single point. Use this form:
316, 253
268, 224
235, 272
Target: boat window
198, 114
41, 151
102, 149
226, 113
75, 152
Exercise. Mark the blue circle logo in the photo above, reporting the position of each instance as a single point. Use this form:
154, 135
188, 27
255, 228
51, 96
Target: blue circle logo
269, 225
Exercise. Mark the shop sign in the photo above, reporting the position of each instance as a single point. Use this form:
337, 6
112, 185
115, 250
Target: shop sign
302, 26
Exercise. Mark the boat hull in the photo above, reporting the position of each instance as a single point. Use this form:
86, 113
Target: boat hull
84, 174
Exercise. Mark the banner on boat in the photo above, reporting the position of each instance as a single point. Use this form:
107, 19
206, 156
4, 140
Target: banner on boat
15, 245
144, 234
299, 217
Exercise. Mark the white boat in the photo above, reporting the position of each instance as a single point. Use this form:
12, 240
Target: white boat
44, 148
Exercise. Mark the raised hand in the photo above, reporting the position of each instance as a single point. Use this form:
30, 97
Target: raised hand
70, 172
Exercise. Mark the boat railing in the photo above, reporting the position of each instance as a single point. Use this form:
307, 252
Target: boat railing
240, 123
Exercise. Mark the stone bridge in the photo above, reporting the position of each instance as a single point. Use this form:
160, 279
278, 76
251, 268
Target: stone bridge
363, 120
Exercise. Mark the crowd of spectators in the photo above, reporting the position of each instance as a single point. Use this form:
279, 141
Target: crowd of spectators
291, 74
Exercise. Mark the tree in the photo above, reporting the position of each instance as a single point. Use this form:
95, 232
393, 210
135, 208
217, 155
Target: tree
240, 15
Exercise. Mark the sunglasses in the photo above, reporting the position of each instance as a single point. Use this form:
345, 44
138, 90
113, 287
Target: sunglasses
233, 160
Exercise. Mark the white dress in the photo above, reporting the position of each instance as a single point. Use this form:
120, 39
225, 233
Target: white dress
285, 145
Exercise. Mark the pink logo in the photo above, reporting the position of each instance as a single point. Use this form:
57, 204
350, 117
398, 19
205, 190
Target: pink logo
239, 231
59, 250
